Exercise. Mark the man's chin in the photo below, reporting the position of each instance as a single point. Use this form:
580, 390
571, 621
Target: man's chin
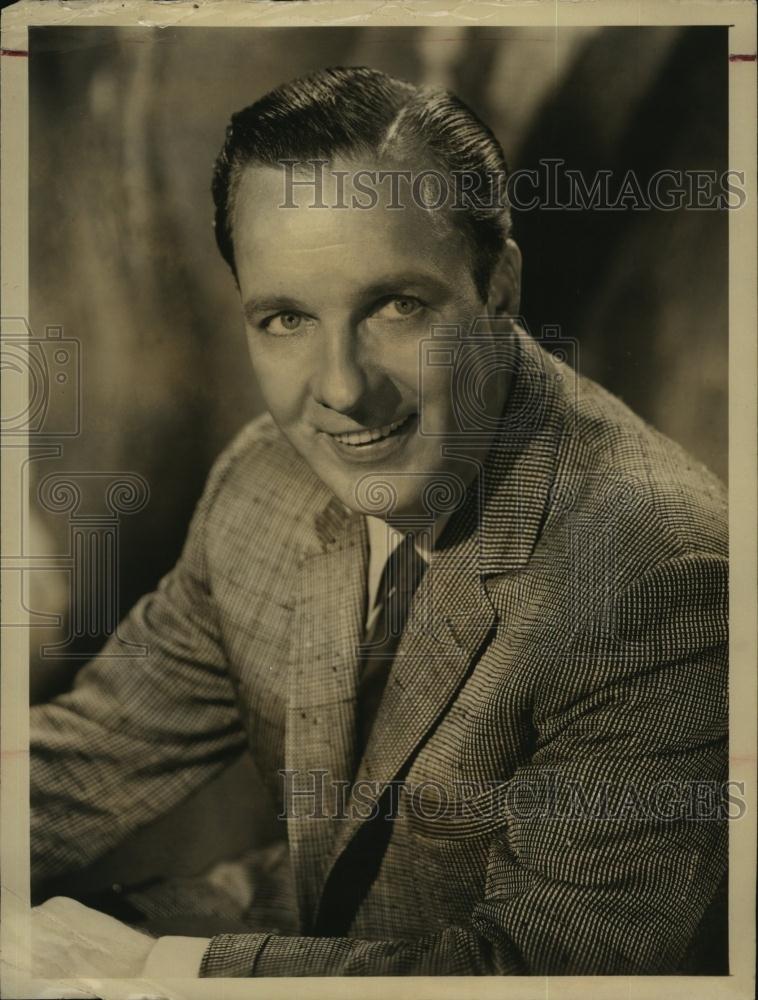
387, 496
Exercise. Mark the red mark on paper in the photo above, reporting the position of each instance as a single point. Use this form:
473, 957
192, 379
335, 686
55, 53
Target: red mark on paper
742, 57
13, 52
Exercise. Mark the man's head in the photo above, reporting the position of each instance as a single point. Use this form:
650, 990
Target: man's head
341, 290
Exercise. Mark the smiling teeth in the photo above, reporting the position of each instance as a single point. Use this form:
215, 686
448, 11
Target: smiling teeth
366, 437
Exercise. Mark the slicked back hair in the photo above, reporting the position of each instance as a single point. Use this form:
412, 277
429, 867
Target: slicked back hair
357, 110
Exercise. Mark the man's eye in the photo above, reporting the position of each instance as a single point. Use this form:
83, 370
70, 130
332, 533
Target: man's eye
399, 307
283, 323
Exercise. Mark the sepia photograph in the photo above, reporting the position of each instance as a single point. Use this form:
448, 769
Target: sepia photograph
368, 437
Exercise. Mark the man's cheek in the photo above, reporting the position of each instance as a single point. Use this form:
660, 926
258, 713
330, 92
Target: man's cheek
435, 405
281, 401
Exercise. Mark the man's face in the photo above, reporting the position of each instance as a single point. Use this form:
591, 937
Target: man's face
337, 302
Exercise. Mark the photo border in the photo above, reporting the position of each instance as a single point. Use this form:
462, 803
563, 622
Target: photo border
740, 15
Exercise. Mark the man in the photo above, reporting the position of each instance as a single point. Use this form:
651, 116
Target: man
467, 611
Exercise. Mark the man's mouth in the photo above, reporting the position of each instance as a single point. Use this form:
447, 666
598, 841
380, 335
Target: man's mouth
359, 439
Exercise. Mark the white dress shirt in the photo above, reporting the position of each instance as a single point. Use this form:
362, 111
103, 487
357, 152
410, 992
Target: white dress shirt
383, 539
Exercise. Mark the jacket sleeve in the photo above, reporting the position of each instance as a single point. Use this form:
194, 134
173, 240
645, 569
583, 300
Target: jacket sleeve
613, 840
137, 733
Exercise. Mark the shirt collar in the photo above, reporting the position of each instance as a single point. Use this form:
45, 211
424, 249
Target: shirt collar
383, 539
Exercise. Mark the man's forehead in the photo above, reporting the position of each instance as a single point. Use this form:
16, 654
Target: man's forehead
334, 217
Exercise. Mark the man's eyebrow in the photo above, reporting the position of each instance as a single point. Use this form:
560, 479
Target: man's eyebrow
254, 307
391, 284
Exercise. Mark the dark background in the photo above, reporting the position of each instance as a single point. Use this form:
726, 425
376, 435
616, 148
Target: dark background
124, 128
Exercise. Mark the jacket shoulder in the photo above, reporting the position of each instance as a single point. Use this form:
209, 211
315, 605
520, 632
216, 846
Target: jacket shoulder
260, 489
663, 498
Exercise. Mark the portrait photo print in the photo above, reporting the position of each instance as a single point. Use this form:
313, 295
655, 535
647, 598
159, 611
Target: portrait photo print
377, 449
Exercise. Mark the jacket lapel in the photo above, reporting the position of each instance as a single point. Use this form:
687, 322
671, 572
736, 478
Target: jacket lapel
320, 734
451, 617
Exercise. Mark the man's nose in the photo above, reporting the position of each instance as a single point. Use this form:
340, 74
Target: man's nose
340, 380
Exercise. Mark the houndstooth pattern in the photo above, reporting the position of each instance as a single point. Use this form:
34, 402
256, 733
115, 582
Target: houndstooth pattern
571, 632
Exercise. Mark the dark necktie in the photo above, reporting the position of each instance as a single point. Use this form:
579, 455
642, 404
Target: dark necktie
356, 869
400, 577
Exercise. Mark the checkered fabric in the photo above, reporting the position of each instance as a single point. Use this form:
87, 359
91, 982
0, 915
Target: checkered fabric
559, 690
400, 576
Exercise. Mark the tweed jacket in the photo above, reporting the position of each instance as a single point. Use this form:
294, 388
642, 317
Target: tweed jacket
557, 694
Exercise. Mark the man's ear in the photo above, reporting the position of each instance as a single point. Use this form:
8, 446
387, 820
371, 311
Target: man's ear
504, 297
